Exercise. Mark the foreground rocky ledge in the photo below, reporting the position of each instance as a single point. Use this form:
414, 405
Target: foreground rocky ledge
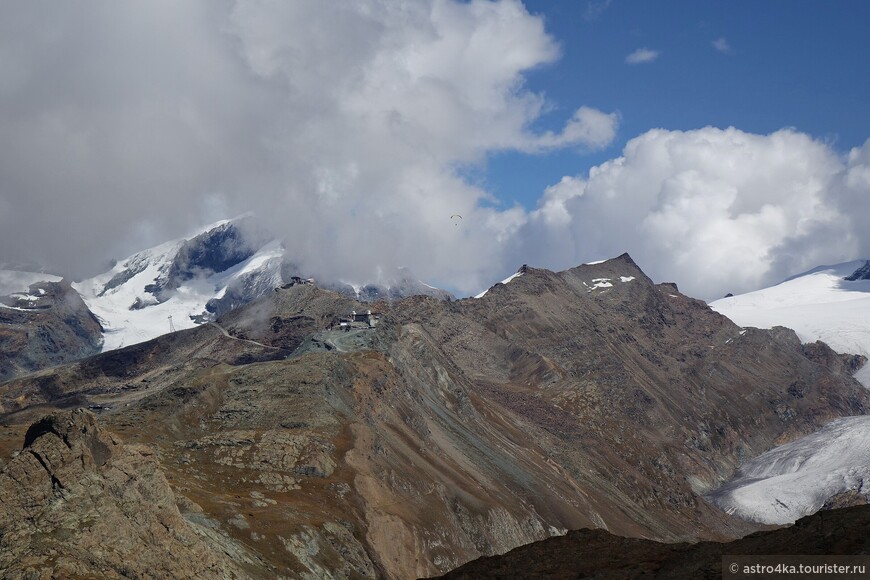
599, 554
77, 502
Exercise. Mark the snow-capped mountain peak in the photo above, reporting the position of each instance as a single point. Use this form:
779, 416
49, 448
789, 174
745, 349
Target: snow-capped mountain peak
170, 286
505, 281
830, 303
184, 282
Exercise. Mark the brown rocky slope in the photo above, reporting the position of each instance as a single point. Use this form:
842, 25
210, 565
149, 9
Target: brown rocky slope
452, 430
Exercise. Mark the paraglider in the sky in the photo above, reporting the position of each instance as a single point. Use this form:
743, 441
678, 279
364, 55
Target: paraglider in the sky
455, 218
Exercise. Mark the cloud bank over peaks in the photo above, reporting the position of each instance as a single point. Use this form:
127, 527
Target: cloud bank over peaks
716, 210
385, 110
348, 127
345, 125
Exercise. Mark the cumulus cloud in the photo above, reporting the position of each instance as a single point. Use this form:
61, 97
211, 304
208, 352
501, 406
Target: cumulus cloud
348, 126
722, 45
588, 127
344, 125
853, 195
642, 55
715, 210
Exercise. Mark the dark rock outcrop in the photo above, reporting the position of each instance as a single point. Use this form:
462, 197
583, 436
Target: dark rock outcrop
247, 288
598, 554
212, 251
862, 273
77, 502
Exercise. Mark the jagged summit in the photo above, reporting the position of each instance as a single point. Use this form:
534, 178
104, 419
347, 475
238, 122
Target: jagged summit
112, 512
170, 285
598, 275
215, 250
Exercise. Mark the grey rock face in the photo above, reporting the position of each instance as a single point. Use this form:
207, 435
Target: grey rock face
52, 325
213, 251
247, 288
77, 502
862, 273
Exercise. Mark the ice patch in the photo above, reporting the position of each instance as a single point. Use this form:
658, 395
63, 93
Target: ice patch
626, 278
27, 297
511, 277
796, 479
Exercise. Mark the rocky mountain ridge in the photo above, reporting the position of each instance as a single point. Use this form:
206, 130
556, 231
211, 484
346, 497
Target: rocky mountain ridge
862, 273
451, 430
828, 303
177, 285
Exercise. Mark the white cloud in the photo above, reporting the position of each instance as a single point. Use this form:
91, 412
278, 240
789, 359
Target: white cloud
552, 205
588, 127
345, 125
853, 196
721, 44
430, 87
642, 55
715, 210
348, 126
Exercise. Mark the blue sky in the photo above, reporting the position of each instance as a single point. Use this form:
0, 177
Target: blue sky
797, 64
